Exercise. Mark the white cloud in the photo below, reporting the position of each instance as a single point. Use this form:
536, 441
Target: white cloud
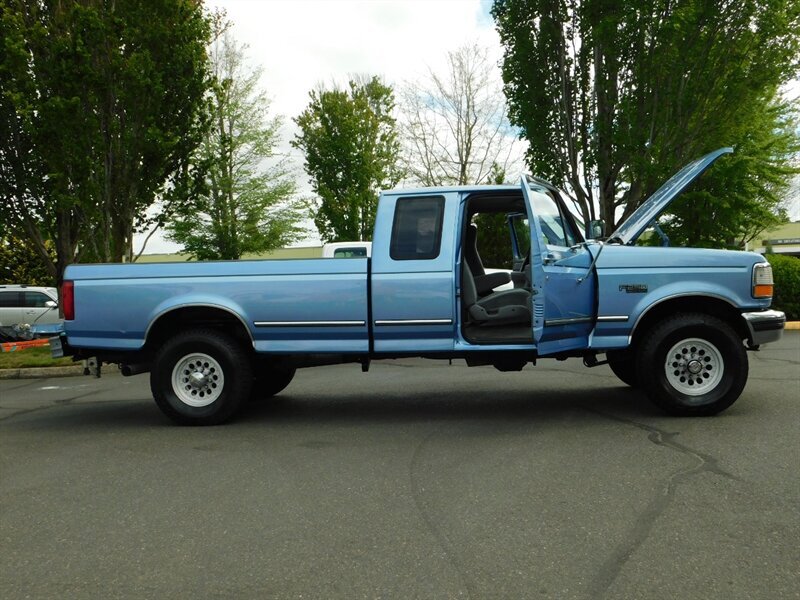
303, 43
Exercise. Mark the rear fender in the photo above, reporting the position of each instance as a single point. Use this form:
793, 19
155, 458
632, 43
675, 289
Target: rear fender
171, 305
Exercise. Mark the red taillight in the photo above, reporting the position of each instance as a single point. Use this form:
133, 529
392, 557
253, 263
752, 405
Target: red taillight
68, 300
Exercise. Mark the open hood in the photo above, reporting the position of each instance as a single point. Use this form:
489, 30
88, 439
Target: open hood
633, 226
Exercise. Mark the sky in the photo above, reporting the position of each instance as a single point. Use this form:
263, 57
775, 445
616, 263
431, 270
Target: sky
302, 43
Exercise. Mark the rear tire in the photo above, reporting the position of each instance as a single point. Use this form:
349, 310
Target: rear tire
692, 364
623, 365
201, 377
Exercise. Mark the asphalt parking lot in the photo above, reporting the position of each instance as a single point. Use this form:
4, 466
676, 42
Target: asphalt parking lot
416, 480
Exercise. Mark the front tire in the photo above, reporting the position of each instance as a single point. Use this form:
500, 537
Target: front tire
270, 381
201, 377
623, 365
692, 364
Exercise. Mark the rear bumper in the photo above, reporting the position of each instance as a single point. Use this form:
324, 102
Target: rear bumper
59, 347
764, 326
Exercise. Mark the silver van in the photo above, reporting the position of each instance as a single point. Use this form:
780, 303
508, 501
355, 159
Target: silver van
28, 304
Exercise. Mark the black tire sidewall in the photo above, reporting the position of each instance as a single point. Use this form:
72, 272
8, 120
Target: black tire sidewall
623, 365
235, 366
269, 382
652, 375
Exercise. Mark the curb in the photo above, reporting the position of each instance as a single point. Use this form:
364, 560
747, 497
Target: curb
37, 372
792, 325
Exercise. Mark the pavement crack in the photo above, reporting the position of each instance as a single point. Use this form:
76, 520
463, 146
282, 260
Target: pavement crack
792, 379
417, 493
55, 404
645, 522
790, 361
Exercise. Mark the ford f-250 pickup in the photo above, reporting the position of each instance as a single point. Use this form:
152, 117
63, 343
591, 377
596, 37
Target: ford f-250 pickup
675, 322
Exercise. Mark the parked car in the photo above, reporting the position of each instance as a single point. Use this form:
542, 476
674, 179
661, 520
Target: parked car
28, 305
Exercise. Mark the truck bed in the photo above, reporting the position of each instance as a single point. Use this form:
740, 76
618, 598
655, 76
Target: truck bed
288, 306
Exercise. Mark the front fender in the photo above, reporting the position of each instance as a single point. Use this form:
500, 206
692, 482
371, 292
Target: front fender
622, 308
680, 290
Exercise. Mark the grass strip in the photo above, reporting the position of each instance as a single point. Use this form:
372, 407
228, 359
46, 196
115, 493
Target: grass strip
32, 357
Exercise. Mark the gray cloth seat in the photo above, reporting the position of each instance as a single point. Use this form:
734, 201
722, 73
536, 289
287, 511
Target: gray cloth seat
484, 282
506, 307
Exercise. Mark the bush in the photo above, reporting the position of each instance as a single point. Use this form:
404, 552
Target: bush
786, 273
19, 263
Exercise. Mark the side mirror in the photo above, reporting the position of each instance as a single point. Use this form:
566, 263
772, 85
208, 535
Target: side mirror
51, 304
597, 229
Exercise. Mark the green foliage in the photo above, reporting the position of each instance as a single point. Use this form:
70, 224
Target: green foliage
99, 110
614, 97
238, 204
741, 195
349, 138
494, 241
494, 236
20, 263
786, 274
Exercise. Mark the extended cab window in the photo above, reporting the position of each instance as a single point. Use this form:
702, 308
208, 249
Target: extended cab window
417, 229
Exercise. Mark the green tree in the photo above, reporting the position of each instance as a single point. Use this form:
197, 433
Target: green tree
100, 106
742, 195
349, 138
243, 202
615, 96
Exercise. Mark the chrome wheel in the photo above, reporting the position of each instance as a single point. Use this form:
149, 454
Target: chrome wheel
694, 366
197, 380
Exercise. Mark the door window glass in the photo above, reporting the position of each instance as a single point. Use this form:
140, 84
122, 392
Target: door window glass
35, 299
522, 231
555, 229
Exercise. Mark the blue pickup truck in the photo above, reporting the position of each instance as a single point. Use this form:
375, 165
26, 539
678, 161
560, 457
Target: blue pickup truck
675, 322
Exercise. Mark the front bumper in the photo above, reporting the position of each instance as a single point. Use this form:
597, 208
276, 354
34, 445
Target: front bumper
764, 326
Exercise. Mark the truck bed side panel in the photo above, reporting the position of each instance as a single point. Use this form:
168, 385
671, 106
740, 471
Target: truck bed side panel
287, 306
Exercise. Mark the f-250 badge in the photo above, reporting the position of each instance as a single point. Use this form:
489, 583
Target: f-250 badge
633, 288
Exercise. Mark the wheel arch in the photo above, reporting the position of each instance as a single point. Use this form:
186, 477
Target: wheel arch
184, 317
716, 306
